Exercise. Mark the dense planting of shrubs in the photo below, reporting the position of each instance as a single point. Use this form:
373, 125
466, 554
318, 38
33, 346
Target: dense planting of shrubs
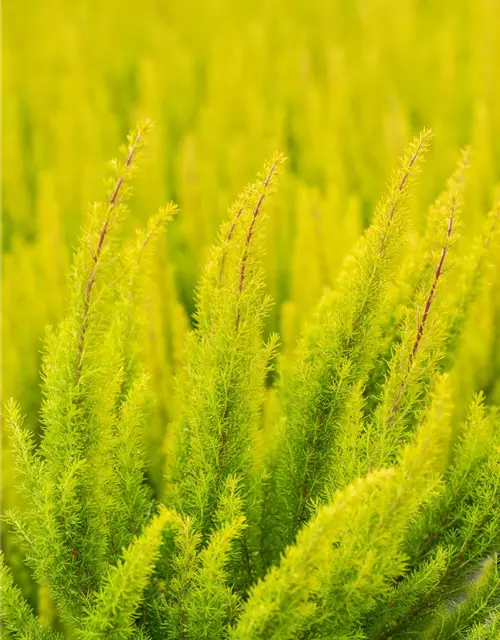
276, 421
359, 508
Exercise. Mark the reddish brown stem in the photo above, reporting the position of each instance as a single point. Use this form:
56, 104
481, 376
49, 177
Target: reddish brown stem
403, 180
228, 237
249, 236
385, 237
427, 308
432, 293
96, 257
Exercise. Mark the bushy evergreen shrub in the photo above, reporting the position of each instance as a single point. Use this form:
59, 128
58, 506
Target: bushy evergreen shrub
341, 498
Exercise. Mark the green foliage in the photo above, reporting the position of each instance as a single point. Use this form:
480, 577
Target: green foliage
222, 391
16, 615
350, 550
111, 616
358, 505
481, 599
80, 512
336, 352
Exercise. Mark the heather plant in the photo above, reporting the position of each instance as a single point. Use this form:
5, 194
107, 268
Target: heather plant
342, 495
338, 86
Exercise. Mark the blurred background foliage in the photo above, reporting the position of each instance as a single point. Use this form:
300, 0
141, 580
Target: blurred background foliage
340, 86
